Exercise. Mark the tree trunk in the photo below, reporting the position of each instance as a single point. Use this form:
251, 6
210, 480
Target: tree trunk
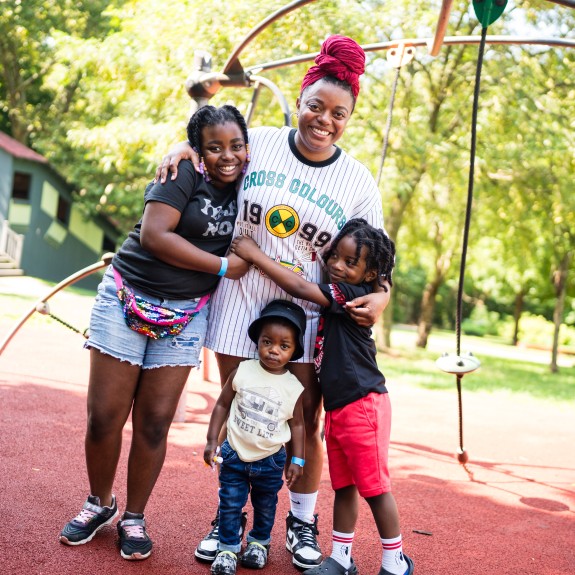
519, 300
560, 285
427, 308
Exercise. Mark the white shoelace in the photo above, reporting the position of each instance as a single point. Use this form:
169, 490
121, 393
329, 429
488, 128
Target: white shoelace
134, 531
84, 516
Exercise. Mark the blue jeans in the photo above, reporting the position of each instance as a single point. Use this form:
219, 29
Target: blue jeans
263, 478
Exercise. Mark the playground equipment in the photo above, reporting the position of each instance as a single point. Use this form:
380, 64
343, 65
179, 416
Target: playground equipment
203, 84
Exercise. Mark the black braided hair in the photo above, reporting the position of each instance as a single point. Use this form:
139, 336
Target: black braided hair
212, 116
380, 249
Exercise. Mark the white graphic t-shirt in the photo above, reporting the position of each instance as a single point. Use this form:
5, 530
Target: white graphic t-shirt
264, 402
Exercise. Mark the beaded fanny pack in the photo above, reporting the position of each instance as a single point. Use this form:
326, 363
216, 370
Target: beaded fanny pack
153, 320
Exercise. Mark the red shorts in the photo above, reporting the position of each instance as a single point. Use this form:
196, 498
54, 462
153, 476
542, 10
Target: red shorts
357, 439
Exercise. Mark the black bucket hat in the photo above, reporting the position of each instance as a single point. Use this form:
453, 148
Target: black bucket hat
286, 310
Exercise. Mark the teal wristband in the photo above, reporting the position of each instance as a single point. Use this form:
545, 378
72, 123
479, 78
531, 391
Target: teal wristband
298, 461
224, 267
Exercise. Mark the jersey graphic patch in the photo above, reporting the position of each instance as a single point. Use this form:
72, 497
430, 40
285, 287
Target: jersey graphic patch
282, 221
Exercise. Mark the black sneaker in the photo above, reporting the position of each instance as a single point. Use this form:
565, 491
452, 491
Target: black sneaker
134, 541
207, 549
255, 556
89, 521
225, 563
301, 542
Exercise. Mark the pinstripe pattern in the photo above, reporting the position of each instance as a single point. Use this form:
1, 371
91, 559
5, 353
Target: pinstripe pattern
317, 199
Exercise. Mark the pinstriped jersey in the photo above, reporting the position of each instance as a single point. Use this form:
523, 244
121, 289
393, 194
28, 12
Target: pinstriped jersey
292, 208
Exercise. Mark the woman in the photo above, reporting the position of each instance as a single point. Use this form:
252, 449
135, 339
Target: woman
173, 259
298, 192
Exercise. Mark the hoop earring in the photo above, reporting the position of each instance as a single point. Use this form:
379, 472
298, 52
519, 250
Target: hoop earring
203, 171
248, 158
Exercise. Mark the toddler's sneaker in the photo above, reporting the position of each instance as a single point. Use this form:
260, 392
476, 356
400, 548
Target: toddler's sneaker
225, 563
301, 542
134, 541
255, 556
89, 521
207, 549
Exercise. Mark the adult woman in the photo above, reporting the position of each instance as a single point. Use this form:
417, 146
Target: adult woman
172, 259
298, 192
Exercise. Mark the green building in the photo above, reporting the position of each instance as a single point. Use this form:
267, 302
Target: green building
42, 233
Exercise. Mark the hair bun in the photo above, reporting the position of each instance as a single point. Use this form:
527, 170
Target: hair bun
340, 57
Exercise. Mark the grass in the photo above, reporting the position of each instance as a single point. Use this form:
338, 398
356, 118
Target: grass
529, 374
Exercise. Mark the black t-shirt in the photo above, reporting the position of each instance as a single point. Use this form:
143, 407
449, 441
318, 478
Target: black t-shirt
345, 353
207, 222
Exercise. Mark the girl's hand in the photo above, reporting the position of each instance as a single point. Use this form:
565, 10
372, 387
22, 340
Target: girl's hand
245, 248
181, 151
293, 473
365, 310
237, 267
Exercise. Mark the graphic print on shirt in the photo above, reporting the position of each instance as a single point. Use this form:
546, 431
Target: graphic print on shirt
221, 219
259, 410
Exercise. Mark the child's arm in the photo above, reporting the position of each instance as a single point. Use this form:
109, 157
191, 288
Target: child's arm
297, 428
218, 418
296, 286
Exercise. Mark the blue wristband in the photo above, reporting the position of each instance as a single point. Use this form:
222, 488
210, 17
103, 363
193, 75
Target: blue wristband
298, 461
224, 267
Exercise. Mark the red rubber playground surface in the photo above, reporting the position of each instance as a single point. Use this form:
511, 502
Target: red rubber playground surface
515, 517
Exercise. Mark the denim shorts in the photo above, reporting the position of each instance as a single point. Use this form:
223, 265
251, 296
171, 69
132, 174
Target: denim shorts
110, 334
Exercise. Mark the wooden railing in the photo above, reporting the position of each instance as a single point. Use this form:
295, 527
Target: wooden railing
11, 243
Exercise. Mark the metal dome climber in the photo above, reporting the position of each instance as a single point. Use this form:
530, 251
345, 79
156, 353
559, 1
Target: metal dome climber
204, 84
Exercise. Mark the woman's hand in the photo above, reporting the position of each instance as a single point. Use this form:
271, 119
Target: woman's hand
237, 267
181, 151
245, 247
365, 310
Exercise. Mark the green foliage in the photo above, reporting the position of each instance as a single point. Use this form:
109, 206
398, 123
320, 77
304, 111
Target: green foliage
498, 371
481, 322
98, 87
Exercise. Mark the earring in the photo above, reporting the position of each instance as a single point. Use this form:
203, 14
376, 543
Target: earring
248, 158
203, 170
294, 122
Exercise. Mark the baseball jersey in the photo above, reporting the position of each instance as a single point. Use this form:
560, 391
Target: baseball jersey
264, 402
293, 208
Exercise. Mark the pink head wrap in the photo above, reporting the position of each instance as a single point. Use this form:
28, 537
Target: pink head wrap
340, 57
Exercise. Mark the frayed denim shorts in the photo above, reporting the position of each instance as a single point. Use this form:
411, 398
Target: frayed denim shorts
110, 334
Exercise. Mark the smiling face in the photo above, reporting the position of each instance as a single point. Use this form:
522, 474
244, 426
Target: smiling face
224, 153
276, 345
344, 266
324, 110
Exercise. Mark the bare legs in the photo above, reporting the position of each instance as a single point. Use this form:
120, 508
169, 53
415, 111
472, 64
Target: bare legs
115, 389
383, 508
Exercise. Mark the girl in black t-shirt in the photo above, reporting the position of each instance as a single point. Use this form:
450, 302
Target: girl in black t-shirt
358, 413
173, 258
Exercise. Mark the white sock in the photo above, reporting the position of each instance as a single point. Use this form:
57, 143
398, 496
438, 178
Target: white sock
341, 550
302, 505
392, 559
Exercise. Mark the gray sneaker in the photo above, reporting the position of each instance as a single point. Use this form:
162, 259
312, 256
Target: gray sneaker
255, 556
225, 563
89, 521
